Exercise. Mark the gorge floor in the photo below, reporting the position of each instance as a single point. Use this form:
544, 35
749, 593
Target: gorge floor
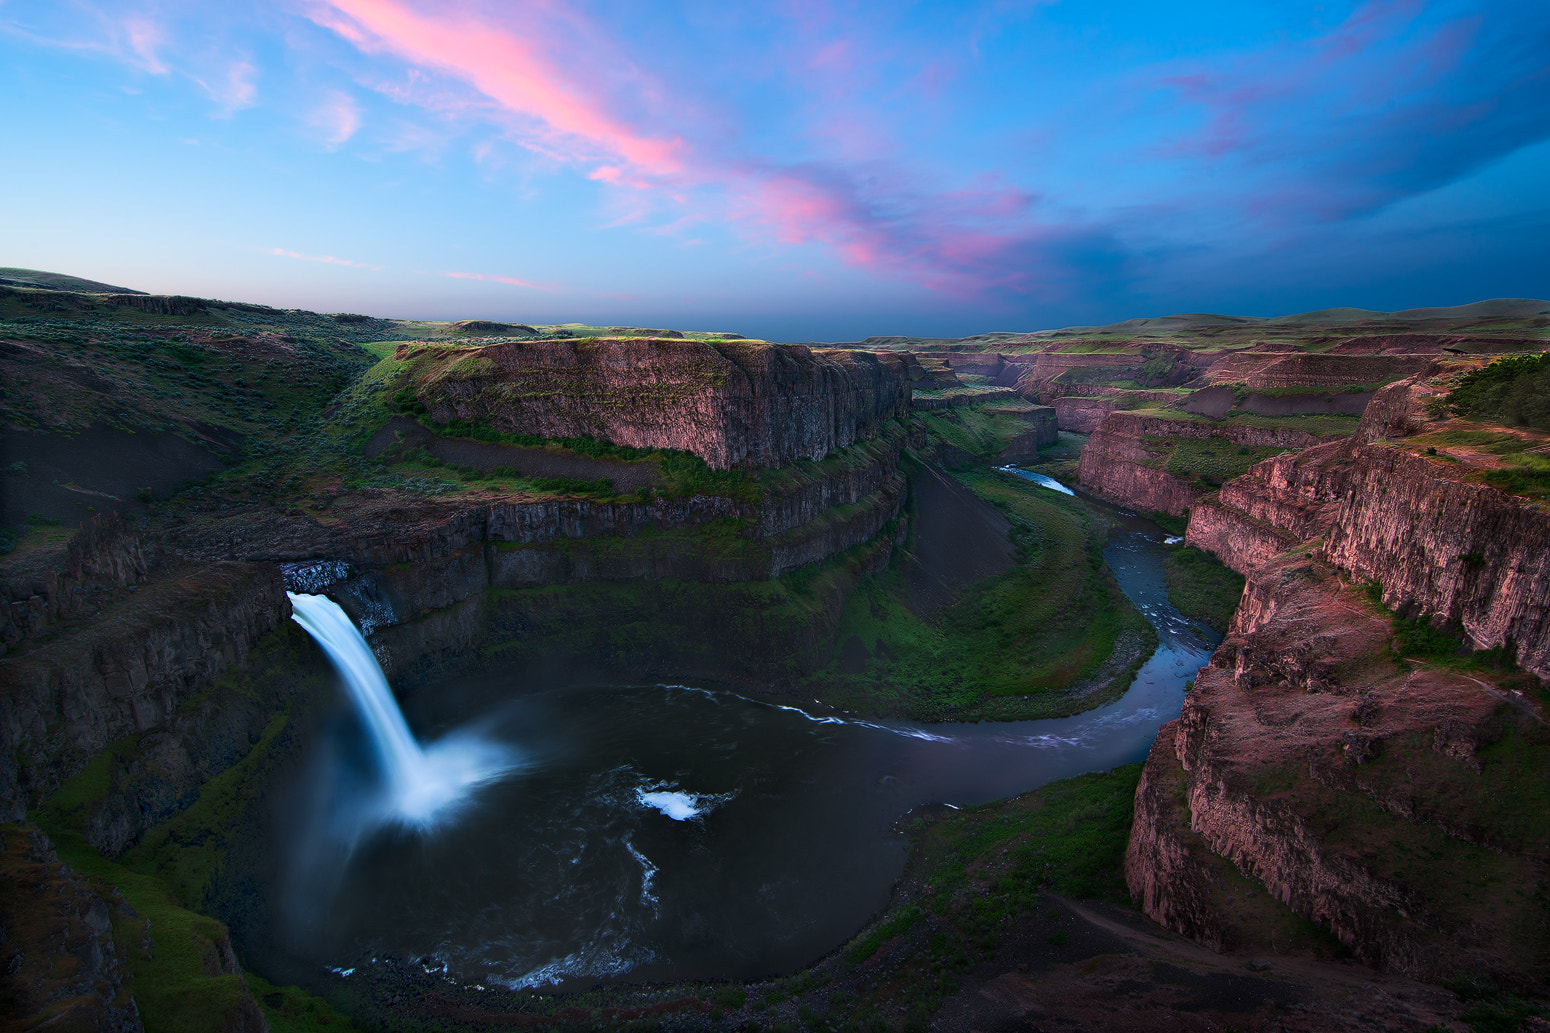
794, 849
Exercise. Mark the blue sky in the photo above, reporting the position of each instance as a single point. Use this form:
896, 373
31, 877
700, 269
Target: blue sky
795, 170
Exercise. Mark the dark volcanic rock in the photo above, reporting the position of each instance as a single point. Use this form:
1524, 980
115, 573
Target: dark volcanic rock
126, 671
59, 968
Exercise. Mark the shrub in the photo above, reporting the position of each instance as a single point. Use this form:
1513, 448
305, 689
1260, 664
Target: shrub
1514, 389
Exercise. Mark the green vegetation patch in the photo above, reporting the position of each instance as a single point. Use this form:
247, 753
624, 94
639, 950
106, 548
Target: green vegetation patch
1419, 637
1201, 587
1025, 644
1514, 389
1489, 442
1492, 901
182, 982
973, 878
983, 430
1524, 469
1208, 462
1323, 424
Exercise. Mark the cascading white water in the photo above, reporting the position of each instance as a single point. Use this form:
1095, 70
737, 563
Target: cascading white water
422, 784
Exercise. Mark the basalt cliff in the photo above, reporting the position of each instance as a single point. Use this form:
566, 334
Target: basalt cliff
730, 403
1365, 744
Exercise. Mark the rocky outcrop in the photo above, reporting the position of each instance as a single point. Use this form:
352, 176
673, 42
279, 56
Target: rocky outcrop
1278, 503
1264, 369
1440, 546
952, 398
1045, 431
1452, 551
1122, 459
1336, 371
1372, 797
126, 671
72, 582
59, 965
733, 404
1132, 484
1335, 783
1239, 540
1082, 415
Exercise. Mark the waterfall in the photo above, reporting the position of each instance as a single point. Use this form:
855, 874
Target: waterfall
421, 783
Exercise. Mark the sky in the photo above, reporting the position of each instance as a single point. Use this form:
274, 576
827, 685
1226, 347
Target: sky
793, 170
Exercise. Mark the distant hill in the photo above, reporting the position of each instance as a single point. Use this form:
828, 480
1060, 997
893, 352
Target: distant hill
1494, 316
1494, 308
39, 280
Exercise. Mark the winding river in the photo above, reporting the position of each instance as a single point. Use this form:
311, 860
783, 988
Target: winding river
668, 832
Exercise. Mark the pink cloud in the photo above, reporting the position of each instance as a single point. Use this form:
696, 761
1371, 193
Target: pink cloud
234, 89
337, 118
618, 127
143, 37
509, 68
325, 259
510, 281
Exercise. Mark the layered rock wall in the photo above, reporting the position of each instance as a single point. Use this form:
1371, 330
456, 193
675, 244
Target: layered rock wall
733, 404
1360, 792
127, 671
1118, 461
1448, 549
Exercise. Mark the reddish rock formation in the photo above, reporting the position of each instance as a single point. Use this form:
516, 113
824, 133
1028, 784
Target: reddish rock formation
1330, 776
1080, 414
730, 403
1118, 463
1374, 797
1438, 545
1449, 550
1336, 371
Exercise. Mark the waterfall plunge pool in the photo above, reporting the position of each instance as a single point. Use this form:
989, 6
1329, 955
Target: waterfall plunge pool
660, 832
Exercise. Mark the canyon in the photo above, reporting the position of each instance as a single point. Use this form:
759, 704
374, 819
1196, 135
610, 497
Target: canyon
1362, 754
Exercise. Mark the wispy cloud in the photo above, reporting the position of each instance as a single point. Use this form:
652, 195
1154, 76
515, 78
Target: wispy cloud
233, 89
1397, 99
508, 280
336, 118
143, 36
623, 130
325, 259
551, 102
133, 39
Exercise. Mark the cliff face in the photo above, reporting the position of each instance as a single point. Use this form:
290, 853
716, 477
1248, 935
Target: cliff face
1447, 549
1275, 505
59, 967
1352, 791
731, 404
1371, 795
70, 583
1082, 415
126, 671
1453, 551
1122, 457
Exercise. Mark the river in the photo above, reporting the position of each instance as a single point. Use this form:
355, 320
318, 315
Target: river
668, 832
